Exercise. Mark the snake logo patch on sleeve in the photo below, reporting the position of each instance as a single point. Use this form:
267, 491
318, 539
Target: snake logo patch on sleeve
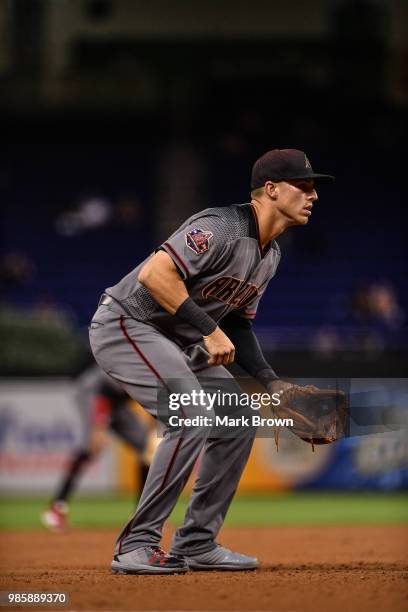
198, 240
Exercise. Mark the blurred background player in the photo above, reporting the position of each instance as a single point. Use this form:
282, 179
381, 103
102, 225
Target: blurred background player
103, 406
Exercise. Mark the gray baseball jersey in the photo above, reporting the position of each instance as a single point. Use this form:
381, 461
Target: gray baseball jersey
218, 255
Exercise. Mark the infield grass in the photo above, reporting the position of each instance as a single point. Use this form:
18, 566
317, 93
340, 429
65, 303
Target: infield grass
256, 510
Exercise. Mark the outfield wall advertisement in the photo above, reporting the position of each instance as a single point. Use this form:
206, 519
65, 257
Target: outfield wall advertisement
39, 427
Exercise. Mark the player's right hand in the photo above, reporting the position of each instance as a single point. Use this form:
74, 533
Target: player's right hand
220, 348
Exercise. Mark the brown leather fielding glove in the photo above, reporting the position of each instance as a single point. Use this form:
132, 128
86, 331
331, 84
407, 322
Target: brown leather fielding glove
319, 415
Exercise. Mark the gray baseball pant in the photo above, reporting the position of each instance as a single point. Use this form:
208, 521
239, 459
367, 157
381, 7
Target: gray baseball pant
142, 360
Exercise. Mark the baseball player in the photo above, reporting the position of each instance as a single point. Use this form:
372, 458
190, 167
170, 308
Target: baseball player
175, 322
102, 405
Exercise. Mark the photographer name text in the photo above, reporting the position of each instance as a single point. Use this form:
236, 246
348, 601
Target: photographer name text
255, 420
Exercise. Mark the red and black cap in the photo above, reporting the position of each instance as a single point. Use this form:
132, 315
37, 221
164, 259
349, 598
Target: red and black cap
282, 165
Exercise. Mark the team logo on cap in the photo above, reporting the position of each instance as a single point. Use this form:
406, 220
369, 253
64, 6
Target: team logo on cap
198, 240
307, 163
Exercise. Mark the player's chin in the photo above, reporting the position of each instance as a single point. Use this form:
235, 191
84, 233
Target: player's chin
302, 219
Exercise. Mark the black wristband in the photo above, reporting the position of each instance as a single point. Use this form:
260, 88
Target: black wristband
190, 312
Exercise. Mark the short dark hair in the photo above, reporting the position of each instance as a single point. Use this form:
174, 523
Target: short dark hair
257, 192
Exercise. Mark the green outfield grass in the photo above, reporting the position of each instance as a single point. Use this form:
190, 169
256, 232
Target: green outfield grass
257, 511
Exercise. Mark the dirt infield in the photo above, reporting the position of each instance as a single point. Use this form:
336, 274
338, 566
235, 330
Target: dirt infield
320, 569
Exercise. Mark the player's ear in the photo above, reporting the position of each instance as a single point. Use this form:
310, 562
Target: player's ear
271, 189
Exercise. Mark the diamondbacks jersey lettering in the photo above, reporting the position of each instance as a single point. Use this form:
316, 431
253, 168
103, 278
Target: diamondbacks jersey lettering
218, 255
233, 291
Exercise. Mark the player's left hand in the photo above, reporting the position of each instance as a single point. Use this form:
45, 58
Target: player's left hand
319, 415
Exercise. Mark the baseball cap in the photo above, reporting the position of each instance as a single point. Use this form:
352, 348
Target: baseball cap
282, 165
